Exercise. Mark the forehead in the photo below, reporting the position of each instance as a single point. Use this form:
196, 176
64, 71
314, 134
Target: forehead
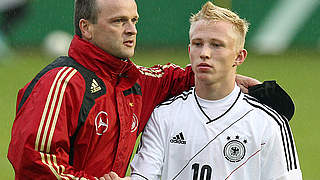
116, 8
204, 29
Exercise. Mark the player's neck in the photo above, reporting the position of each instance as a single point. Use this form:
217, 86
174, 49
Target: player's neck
215, 91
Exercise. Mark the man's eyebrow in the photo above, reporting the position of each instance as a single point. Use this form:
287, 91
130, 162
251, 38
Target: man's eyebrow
119, 17
124, 17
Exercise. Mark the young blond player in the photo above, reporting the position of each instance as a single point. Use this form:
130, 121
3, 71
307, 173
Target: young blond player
214, 131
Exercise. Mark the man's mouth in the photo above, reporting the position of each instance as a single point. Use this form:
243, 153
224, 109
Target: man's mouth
129, 43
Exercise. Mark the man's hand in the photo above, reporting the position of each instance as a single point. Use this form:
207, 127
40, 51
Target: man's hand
245, 82
113, 176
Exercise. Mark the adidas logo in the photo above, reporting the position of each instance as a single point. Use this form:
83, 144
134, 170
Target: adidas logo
95, 86
178, 139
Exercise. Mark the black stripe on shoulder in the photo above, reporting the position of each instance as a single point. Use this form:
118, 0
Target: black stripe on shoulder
95, 88
184, 95
139, 175
286, 134
64, 61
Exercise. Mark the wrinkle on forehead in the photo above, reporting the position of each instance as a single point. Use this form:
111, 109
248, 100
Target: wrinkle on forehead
116, 8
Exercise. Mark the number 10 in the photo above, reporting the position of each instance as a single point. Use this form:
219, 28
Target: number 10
206, 169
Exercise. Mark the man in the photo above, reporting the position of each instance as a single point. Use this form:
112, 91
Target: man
81, 115
214, 131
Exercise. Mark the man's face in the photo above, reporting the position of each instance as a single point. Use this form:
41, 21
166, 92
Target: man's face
213, 50
115, 31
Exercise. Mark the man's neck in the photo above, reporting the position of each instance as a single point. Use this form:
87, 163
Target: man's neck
215, 91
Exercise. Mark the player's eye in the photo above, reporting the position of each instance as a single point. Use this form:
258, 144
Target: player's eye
216, 44
197, 44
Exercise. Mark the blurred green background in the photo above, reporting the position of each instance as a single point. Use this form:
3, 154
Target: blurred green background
163, 38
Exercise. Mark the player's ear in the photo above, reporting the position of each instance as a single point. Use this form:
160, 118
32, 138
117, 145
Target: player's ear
240, 58
85, 27
189, 52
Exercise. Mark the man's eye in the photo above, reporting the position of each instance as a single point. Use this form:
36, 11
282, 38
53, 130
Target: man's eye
134, 20
118, 20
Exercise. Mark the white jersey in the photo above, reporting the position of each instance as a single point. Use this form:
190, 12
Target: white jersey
240, 140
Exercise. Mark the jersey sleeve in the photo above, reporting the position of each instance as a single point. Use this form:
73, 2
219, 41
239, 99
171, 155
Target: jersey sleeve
148, 162
161, 82
40, 145
279, 159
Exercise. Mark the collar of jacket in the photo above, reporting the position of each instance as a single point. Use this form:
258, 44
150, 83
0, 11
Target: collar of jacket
103, 64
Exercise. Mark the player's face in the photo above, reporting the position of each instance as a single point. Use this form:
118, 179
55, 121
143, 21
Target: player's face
213, 51
115, 31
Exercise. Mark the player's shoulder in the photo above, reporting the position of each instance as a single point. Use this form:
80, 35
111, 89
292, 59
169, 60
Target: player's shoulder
157, 70
176, 101
264, 112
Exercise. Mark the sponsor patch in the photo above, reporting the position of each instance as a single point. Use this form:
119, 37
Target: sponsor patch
101, 123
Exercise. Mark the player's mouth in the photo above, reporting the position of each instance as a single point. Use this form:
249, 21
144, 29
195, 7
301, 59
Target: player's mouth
129, 43
204, 67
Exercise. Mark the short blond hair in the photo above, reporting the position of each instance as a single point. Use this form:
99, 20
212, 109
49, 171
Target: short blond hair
212, 12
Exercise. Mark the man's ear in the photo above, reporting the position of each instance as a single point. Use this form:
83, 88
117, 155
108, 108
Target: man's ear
240, 58
85, 27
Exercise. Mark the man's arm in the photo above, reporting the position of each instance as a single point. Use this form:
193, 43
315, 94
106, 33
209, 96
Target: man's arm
271, 94
40, 145
245, 82
173, 80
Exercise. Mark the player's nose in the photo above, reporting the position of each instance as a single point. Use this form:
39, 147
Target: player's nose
205, 53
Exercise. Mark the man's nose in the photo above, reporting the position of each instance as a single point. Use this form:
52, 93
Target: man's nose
131, 28
205, 53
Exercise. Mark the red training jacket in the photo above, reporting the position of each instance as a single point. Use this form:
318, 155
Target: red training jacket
80, 117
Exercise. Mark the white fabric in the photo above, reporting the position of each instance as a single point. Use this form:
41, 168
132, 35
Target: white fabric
177, 143
217, 107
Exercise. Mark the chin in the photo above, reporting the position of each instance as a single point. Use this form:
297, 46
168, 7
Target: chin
203, 78
125, 54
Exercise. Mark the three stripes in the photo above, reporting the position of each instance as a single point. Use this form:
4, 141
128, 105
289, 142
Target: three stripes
49, 120
286, 134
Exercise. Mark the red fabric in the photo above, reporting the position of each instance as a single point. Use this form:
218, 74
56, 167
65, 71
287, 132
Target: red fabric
40, 142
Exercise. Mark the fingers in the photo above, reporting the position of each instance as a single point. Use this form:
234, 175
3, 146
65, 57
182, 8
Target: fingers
245, 82
105, 177
243, 89
114, 175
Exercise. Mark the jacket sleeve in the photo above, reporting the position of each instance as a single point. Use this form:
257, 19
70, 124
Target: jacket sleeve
40, 144
161, 82
271, 94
